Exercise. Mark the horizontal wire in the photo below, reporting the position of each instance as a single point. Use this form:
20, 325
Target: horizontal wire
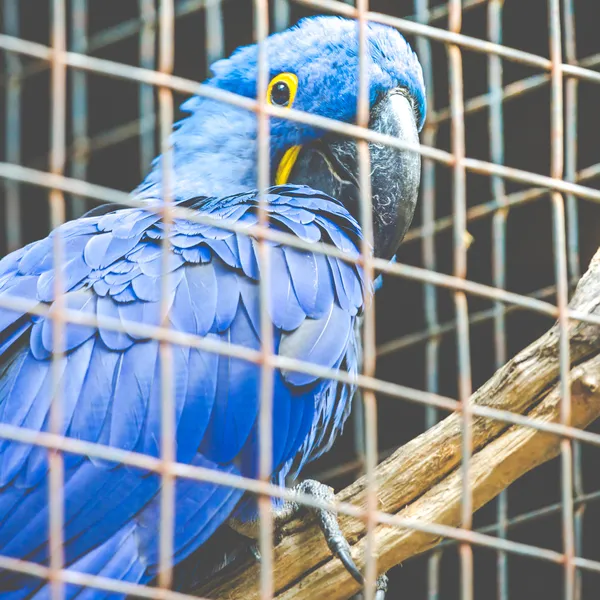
187, 86
125, 131
94, 581
44, 179
458, 39
539, 513
119, 33
485, 209
127, 29
106, 194
441, 11
289, 364
511, 91
420, 337
197, 473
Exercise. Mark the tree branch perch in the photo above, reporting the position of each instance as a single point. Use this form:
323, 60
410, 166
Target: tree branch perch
421, 481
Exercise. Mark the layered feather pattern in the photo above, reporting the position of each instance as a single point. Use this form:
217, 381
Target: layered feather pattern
110, 375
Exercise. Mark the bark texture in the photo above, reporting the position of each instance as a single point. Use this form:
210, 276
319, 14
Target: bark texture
422, 480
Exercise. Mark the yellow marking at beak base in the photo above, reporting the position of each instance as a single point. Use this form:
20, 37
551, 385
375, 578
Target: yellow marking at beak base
286, 165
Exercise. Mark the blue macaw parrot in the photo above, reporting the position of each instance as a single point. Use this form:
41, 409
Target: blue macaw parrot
111, 380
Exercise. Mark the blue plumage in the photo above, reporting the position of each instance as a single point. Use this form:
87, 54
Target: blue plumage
112, 379
113, 271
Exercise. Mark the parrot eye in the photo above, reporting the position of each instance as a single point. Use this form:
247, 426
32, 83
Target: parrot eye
282, 90
280, 94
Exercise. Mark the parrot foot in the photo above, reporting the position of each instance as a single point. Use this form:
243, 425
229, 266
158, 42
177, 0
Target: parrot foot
328, 524
327, 520
332, 532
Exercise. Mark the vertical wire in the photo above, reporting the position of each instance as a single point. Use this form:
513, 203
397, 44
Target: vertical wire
571, 102
215, 33
12, 123
369, 347
281, 14
572, 87
460, 299
147, 122
261, 24
57, 216
496, 127
167, 406
359, 405
358, 422
432, 346
79, 95
560, 261
428, 204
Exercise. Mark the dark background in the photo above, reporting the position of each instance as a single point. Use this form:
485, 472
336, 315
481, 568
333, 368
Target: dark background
530, 262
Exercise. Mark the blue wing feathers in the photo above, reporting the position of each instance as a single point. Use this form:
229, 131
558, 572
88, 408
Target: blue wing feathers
23, 287
115, 340
178, 393
199, 401
77, 366
83, 301
25, 384
10, 336
236, 403
96, 393
286, 312
111, 379
197, 508
302, 268
325, 287
132, 386
203, 289
248, 260
228, 294
115, 559
321, 341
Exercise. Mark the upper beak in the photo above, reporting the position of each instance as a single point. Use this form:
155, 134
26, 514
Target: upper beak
330, 165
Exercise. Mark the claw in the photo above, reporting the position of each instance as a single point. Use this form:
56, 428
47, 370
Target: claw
328, 523
330, 527
334, 537
340, 548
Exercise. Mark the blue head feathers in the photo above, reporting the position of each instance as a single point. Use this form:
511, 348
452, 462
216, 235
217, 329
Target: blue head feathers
215, 147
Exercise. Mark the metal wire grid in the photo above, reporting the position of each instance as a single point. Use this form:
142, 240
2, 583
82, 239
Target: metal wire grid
570, 185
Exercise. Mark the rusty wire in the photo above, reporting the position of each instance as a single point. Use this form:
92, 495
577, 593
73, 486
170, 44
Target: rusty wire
166, 57
570, 183
261, 27
57, 217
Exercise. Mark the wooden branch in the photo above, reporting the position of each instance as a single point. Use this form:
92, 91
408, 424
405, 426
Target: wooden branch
422, 480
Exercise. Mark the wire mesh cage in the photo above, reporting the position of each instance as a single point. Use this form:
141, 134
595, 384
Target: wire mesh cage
506, 224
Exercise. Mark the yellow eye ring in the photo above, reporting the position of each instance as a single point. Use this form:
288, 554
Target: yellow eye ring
282, 90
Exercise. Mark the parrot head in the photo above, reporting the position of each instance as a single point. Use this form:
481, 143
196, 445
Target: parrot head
313, 67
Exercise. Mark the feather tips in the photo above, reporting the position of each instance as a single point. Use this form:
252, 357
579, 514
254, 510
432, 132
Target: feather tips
112, 378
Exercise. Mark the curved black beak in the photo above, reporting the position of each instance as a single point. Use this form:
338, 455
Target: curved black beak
331, 166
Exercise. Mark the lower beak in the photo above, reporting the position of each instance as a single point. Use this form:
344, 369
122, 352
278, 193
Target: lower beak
330, 165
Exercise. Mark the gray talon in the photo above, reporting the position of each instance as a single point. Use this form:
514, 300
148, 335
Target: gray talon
329, 525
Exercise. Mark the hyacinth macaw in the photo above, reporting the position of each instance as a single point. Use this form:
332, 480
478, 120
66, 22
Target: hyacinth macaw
111, 380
